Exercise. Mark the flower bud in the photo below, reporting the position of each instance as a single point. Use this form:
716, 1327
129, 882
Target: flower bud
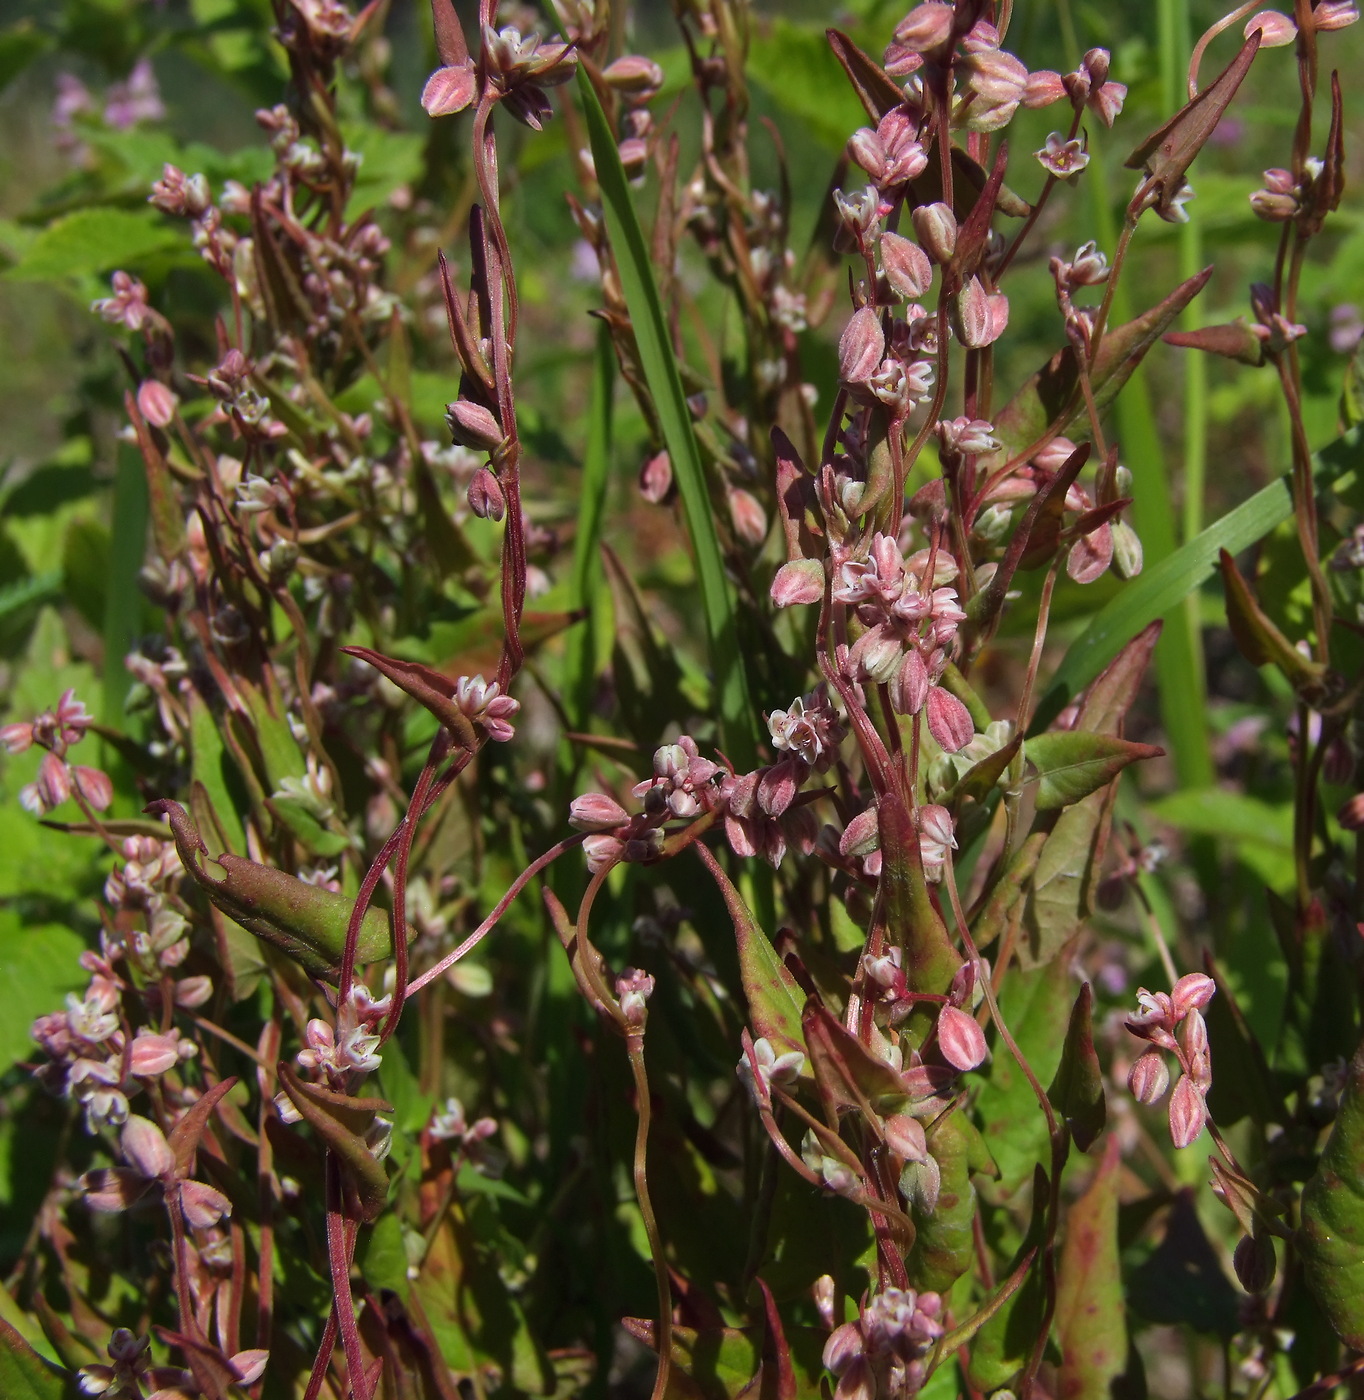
634, 74
926, 28
907, 267
861, 836
1254, 1262
249, 1366
825, 1296
595, 811
960, 1039
800, 581
1193, 991
949, 721
472, 425
978, 317
1276, 30
936, 227
861, 347
94, 786
146, 1149
203, 1206
656, 478
905, 1138
1188, 1112
909, 690
601, 851
1351, 814
1127, 551
153, 1054
156, 403
449, 90
843, 1347
485, 495
193, 991
1149, 1077
750, 520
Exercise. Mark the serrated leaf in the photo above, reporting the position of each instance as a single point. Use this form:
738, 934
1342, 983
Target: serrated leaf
1331, 1237
1090, 1321
1071, 765
1077, 1091
95, 240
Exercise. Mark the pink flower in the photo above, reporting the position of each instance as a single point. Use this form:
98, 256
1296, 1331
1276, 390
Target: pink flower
949, 721
1061, 157
960, 1038
483, 702
595, 811
153, 1054
1188, 1112
1149, 1077
146, 1149
128, 305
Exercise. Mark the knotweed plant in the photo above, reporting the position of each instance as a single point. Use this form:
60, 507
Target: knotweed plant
704, 985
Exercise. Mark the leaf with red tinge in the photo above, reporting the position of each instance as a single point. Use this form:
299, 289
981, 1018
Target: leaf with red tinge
1235, 340
1072, 764
185, 1136
1090, 1318
775, 999
1259, 639
847, 1073
1167, 153
342, 1121
1077, 1092
928, 957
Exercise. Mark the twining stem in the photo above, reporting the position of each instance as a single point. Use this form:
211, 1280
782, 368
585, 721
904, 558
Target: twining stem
664, 1336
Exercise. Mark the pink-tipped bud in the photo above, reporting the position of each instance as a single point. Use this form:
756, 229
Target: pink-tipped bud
936, 226
595, 811
94, 786
907, 267
800, 581
825, 1295
1334, 14
156, 403
472, 425
1043, 88
1276, 30
843, 1348
449, 90
949, 721
960, 1039
1255, 1263
249, 1366
979, 317
861, 347
634, 74
926, 28
633, 991
602, 850
656, 478
203, 1206
146, 1149
485, 495
862, 836
905, 1138
1149, 1077
750, 520
1192, 992
193, 991
153, 1054
1188, 1112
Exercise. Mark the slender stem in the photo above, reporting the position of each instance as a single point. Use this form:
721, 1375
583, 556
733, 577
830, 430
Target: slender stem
635, 1046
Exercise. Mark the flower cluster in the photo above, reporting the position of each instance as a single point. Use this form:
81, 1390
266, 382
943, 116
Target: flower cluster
882, 1353
1174, 1024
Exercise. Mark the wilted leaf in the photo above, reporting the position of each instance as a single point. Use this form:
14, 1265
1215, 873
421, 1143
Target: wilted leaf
1071, 765
1331, 1236
1077, 1092
1090, 1320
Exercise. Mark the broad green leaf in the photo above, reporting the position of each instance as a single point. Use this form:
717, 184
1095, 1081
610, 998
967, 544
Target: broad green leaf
943, 1247
775, 1000
1090, 1321
92, 241
24, 1375
1077, 1092
794, 65
39, 964
1071, 764
1331, 1236
737, 715
383, 1255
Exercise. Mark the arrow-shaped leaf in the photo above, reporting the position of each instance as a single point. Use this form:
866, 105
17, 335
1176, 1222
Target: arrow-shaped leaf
1071, 765
1077, 1092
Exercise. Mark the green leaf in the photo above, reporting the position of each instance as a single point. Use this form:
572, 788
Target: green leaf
1331, 1236
39, 964
795, 66
1090, 1322
1077, 1092
24, 1375
775, 1000
943, 1245
20, 44
92, 241
1071, 764
737, 715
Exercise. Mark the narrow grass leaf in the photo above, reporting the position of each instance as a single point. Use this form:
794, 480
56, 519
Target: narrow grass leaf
665, 385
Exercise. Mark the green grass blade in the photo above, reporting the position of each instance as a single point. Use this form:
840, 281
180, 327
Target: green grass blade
580, 674
737, 716
1160, 591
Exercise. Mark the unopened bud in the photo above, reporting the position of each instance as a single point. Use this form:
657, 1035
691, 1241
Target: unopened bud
1276, 30
449, 90
1149, 1077
472, 425
146, 1149
595, 811
861, 837
861, 347
485, 495
1127, 551
634, 74
1254, 1262
960, 1039
156, 402
750, 520
1351, 814
978, 317
949, 721
905, 1138
926, 28
656, 478
203, 1206
907, 267
936, 226
800, 581
1192, 992
1188, 1112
